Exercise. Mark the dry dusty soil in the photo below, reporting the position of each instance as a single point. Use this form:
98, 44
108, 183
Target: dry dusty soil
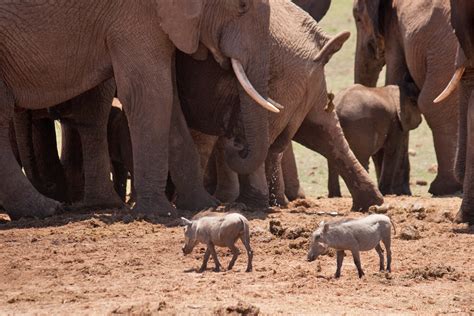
111, 263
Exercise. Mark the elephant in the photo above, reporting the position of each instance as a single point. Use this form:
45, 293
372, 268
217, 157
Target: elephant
316, 8
45, 62
33, 141
377, 120
300, 51
413, 39
462, 20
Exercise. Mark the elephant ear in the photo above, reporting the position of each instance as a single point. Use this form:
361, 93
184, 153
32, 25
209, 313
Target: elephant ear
331, 47
408, 112
181, 20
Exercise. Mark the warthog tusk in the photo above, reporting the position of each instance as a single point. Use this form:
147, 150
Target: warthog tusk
452, 85
245, 83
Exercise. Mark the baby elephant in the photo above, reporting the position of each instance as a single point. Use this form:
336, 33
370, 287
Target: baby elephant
222, 231
355, 235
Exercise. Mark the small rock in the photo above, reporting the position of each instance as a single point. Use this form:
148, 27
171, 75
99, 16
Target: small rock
333, 213
421, 182
295, 232
298, 243
448, 215
380, 209
240, 309
412, 152
409, 233
321, 213
34, 239
417, 207
276, 228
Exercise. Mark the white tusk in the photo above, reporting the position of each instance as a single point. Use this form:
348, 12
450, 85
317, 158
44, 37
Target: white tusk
452, 85
244, 81
276, 104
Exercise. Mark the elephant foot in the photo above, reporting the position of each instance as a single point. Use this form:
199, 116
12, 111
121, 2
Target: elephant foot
38, 208
254, 202
295, 194
279, 200
443, 186
335, 194
464, 217
102, 201
156, 207
362, 202
196, 201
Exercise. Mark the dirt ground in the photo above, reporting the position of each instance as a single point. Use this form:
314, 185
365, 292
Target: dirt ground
109, 263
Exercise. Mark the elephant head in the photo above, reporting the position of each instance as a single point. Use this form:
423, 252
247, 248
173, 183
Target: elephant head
236, 32
370, 49
408, 112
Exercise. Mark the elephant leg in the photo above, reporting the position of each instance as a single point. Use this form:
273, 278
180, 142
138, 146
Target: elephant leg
146, 94
17, 195
23, 125
120, 176
206, 147
396, 147
321, 131
401, 181
293, 189
14, 143
71, 159
442, 118
377, 158
254, 189
334, 189
89, 112
210, 174
274, 174
49, 166
185, 166
466, 212
228, 186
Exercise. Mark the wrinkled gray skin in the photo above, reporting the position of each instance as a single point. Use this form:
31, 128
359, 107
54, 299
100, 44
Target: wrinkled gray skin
45, 62
462, 20
316, 8
377, 120
413, 39
297, 82
355, 235
221, 231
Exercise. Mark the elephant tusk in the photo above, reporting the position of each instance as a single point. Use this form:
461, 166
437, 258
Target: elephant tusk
452, 85
245, 83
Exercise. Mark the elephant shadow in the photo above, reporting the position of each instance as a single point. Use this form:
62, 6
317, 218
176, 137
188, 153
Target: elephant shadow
98, 218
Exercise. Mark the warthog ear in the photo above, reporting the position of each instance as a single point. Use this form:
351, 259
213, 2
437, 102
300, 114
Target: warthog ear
326, 228
186, 221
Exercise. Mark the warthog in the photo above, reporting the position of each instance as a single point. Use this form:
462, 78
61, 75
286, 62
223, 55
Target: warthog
222, 231
355, 235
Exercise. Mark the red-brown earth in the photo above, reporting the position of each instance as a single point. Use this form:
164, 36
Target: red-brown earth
109, 263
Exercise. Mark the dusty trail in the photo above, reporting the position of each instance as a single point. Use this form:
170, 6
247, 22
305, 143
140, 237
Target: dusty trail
105, 263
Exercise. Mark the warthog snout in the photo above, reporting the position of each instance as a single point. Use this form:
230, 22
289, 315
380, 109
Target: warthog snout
311, 257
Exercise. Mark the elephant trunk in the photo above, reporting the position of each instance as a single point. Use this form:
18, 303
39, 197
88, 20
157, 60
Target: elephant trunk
247, 157
369, 61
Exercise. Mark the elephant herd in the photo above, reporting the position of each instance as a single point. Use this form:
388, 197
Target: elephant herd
213, 93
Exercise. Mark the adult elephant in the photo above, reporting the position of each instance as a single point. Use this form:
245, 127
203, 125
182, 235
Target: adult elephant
462, 20
316, 8
413, 39
44, 62
300, 51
